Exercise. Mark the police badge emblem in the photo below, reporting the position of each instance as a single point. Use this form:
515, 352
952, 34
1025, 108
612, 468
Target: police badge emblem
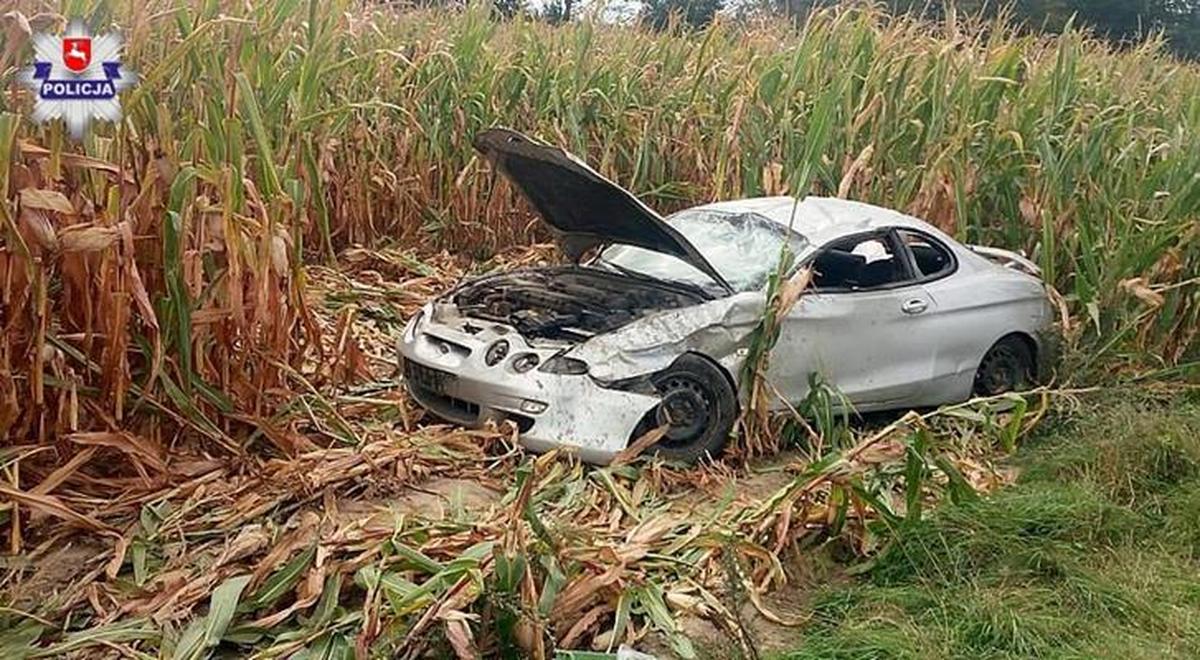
77, 78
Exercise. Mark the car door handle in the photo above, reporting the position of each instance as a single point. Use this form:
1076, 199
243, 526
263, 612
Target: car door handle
914, 306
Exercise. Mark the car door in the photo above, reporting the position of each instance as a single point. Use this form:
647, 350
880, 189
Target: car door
962, 334
861, 327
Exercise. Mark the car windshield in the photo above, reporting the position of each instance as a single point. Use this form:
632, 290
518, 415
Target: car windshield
743, 247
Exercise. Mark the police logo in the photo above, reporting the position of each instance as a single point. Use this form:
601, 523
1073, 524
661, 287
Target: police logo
77, 78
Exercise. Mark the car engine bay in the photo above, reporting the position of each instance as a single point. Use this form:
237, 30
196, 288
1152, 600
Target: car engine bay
569, 302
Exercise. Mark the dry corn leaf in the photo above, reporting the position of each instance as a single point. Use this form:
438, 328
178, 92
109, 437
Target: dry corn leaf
64, 471
72, 159
791, 291
579, 593
37, 229
857, 166
46, 200
125, 442
113, 567
307, 592
305, 533
458, 632
773, 181
1142, 290
279, 255
635, 449
587, 622
249, 541
88, 239
1031, 212
52, 505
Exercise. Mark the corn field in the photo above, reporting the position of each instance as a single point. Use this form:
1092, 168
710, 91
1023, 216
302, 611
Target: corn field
198, 303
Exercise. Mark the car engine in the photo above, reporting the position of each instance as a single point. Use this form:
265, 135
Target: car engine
569, 302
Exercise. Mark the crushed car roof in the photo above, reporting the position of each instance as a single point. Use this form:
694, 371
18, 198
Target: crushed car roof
823, 219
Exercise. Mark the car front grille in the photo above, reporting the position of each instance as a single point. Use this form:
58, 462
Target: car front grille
428, 387
428, 378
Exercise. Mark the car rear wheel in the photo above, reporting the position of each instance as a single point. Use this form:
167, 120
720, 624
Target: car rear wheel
698, 406
1006, 367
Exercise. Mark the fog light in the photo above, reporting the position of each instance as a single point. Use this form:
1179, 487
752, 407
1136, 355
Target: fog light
524, 362
532, 407
496, 353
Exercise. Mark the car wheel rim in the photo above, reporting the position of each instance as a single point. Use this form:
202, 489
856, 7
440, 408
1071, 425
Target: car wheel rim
686, 409
1001, 372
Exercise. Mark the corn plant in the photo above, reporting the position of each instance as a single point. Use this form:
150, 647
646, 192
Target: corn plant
157, 278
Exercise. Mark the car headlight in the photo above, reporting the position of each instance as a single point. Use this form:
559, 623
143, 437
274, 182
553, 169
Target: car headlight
496, 352
565, 366
524, 362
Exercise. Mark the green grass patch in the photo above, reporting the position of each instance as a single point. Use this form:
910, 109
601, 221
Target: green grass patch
1095, 552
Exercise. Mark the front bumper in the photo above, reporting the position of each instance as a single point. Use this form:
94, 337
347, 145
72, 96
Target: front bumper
446, 373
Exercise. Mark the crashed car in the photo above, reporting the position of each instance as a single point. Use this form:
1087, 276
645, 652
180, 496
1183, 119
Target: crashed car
653, 327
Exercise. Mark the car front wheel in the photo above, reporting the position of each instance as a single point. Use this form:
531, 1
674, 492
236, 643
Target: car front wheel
699, 407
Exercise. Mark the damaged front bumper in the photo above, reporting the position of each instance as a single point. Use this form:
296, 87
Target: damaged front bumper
453, 367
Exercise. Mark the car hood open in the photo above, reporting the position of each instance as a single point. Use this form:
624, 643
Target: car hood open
584, 208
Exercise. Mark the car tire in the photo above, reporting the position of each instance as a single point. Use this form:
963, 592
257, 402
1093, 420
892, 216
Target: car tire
1008, 366
700, 405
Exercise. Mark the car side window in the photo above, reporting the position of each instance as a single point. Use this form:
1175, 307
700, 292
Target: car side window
930, 257
856, 263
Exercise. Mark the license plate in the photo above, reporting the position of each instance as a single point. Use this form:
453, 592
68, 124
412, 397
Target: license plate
428, 378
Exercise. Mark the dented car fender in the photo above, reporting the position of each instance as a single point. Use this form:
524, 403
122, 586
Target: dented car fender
718, 329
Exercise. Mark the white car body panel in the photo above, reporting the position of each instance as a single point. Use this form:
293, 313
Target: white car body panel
579, 413
862, 343
718, 329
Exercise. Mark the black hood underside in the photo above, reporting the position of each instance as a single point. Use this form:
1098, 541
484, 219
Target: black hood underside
583, 207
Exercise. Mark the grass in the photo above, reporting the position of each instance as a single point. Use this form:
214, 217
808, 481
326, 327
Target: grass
1095, 552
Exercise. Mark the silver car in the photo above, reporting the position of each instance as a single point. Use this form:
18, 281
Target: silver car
653, 328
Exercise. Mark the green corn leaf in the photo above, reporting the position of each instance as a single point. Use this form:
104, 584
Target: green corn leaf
327, 606
417, 559
334, 646
651, 599
258, 127
204, 633
281, 581
873, 500
118, 632
19, 640
959, 488
1011, 431
914, 474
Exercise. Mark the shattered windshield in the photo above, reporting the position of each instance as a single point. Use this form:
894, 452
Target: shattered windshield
742, 247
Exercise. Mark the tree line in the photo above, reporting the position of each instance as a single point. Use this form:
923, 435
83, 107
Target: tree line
1122, 22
